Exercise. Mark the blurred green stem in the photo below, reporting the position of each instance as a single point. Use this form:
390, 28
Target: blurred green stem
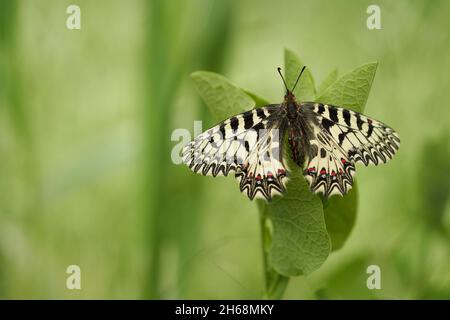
274, 283
211, 48
156, 113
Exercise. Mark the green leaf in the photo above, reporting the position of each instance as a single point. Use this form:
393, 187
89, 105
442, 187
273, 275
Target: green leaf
305, 90
300, 242
328, 81
340, 217
258, 100
222, 98
352, 90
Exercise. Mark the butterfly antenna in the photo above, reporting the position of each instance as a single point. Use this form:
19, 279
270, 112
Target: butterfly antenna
282, 78
298, 78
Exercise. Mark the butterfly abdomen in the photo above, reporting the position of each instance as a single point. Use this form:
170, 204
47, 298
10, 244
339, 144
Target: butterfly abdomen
294, 144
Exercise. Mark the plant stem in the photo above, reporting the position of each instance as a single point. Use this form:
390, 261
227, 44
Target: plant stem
274, 283
263, 231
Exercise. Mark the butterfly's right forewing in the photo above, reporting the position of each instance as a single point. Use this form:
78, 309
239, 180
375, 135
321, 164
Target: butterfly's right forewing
366, 140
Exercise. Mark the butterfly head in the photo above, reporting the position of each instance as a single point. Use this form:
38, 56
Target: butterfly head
289, 97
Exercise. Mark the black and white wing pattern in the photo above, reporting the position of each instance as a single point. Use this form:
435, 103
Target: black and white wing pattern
248, 144
329, 168
366, 140
343, 138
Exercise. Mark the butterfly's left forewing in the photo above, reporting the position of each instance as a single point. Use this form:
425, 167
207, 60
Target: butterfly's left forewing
248, 144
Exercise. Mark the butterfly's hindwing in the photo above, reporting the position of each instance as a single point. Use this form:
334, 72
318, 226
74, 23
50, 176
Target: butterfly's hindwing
366, 140
263, 171
329, 170
248, 144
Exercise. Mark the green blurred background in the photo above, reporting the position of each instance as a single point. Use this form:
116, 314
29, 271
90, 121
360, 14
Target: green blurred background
85, 138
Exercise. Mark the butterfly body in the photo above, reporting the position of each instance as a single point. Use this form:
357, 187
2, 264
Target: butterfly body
324, 140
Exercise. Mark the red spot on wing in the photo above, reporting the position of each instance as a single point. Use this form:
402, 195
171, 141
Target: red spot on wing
343, 161
323, 171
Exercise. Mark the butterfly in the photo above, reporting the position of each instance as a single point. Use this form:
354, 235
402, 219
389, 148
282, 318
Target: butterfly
326, 141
